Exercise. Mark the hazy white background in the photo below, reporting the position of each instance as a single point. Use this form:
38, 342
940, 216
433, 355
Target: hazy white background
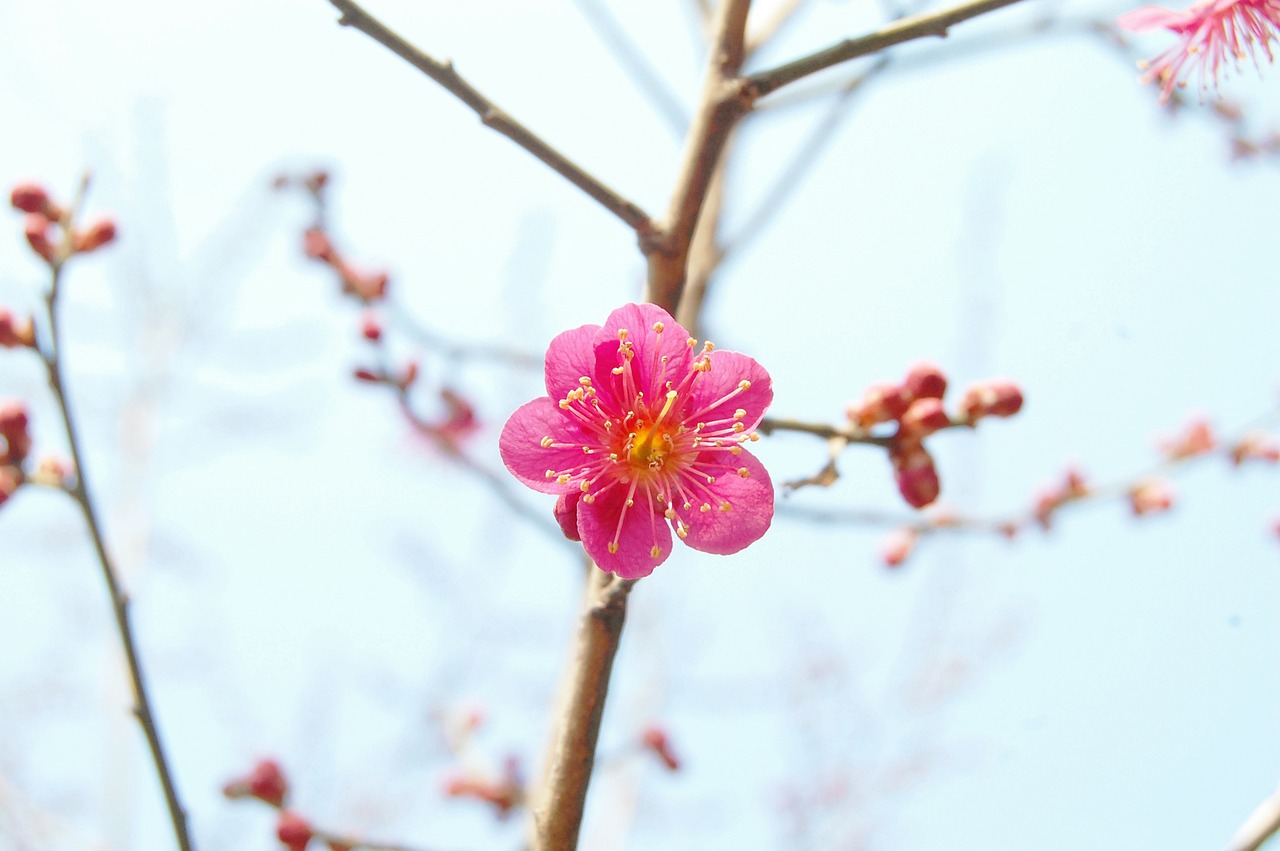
314, 583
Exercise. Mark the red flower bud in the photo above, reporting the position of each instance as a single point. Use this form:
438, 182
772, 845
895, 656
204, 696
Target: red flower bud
293, 830
267, 783
99, 234
35, 227
926, 381
915, 474
13, 430
316, 245
881, 403
371, 327
656, 740
997, 398
32, 198
924, 417
1150, 497
16, 333
368, 375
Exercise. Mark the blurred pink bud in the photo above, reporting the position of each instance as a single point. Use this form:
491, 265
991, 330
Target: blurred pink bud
362, 374
53, 472
994, 398
316, 245
882, 403
926, 381
317, 180
925, 416
655, 738
897, 545
409, 376
504, 794
1196, 439
1257, 446
371, 327
35, 227
98, 234
13, 430
33, 198
915, 474
266, 782
10, 481
16, 333
461, 419
366, 286
293, 831
1150, 497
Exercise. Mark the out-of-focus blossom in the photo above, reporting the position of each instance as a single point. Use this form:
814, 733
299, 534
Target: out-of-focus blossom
293, 831
926, 380
13, 431
1196, 439
642, 432
94, 237
915, 473
266, 782
1151, 496
656, 740
997, 397
1212, 36
882, 403
898, 545
1256, 446
16, 333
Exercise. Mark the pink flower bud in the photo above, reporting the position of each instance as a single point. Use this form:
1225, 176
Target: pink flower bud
35, 227
915, 474
33, 198
1196, 439
410, 375
53, 472
882, 403
293, 831
998, 398
367, 287
926, 381
1257, 446
317, 180
1150, 497
566, 514
99, 234
16, 333
362, 374
897, 545
10, 481
371, 327
267, 783
13, 430
924, 417
316, 245
656, 740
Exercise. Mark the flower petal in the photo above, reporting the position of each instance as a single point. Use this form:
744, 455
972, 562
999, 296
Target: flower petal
728, 369
650, 346
751, 497
642, 529
1150, 18
566, 513
522, 450
570, 356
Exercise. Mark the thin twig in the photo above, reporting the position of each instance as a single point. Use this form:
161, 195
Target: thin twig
51, 354
633, 61
917, 26
1260, 826
493, 117
782, 15
558, 805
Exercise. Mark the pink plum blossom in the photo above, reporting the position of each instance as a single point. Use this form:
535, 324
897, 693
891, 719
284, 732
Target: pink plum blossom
1211, 34
643, 432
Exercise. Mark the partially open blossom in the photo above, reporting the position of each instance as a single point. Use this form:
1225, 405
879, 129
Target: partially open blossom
1211, 34
898, 544
94, 237
926, 381
13, 432
293, 831
1196, 439
655, 739
15, 332
642, 432
994, 398
1151, 496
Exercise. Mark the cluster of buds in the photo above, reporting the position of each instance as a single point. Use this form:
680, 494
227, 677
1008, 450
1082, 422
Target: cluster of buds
368, 287
267, 783
49, 229
916, 409
504, 793
656, 740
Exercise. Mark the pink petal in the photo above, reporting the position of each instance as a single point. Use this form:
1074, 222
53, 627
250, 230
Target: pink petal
566, 513
643, 527
650, 347
522, 450
1149, 18
725, 532
727, 370
569, 357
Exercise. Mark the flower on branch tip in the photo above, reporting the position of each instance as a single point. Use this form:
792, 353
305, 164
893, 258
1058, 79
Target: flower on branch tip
16, 333
1151, 496
1257, 446
1211, 34
643, 432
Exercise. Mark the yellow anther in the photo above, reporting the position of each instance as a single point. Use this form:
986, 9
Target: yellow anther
744, 472
691, 342
630, 503
708, 346
682, 531
563, 479
705, 507
623, 333
564, 404
613, 547
551, 474
735, 450
658, 327
724, 506
711, 480
608, 424
617, 370
739, 414
655, 551
739, 428
744, 384
546, 442
753, 437
703, 365
670, 513
588, 498
584, 486
585, 381
587, 450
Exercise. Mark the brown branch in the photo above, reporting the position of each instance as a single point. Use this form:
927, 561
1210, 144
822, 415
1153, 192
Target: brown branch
907, 29
1261, 825
725, 100
79, 492
558, 805
493, 117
